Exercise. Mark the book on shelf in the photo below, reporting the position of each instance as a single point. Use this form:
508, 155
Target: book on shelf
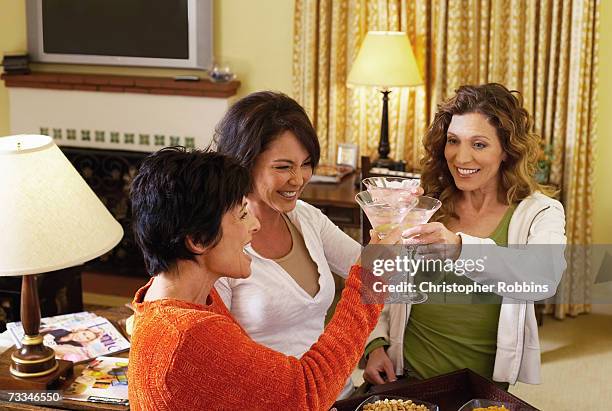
77, 337
104, 380
327, 173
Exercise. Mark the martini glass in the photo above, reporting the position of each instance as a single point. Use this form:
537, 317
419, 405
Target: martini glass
419, 214
422, 211
385, 215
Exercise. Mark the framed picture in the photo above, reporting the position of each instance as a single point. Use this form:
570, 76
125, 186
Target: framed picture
348, 154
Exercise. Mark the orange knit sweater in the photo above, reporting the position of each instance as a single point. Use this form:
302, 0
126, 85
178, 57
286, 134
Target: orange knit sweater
186, 356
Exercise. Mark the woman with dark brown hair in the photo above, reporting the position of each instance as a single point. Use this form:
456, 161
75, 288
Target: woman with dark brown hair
480, 158
283, 304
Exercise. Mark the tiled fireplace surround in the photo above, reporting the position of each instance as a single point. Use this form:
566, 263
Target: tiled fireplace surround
106, 125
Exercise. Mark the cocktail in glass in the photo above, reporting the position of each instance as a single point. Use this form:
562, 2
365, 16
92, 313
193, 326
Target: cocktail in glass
383, 214
386, 213
422, 211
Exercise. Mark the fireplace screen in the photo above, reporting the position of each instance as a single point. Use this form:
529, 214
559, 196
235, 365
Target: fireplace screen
109, 173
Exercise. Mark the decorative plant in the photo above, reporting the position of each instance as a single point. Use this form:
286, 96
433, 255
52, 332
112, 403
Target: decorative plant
544, 162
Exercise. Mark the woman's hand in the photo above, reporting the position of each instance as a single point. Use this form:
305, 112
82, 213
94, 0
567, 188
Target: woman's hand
393, 237
440, 241
379, 367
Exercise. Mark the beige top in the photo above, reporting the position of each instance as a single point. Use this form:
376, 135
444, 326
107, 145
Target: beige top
298, 262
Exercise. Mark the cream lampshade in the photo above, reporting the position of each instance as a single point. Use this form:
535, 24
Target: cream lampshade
50, 219
385, 60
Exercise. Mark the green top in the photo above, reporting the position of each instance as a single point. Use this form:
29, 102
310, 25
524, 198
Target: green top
438, 339
500, 234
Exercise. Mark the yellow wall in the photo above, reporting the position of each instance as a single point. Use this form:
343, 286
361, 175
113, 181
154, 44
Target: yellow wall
602, 213
12, 39
254, 37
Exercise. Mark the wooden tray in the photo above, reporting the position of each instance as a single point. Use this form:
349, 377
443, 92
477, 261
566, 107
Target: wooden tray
448, 391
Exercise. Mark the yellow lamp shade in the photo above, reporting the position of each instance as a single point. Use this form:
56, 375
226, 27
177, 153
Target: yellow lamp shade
385, 59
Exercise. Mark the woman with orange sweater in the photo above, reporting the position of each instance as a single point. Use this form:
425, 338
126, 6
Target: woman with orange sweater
192, 224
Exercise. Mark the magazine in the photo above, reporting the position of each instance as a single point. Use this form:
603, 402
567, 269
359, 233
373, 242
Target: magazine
76, 337
103, 380
58, 320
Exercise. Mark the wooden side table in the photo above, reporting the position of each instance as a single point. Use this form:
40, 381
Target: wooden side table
114, 315
336, 201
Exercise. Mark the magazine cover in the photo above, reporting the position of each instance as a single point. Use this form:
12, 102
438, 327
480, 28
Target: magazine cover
77, 339
103, 380
56, 321
15, 329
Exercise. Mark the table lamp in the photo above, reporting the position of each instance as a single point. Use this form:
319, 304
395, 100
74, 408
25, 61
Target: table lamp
49, 220
385, 60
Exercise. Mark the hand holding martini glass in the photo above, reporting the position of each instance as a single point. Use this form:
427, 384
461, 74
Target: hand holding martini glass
384, 215
390, 202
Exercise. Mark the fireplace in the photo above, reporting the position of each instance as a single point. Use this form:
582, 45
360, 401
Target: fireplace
109, 173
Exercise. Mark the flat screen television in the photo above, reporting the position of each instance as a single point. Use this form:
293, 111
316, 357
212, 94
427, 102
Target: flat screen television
152, 33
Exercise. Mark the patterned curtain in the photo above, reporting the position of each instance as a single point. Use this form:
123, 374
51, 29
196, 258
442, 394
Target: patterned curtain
327, 36
545, 49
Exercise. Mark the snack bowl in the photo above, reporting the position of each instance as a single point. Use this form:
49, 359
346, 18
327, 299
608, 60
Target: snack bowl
485, 404
374, 398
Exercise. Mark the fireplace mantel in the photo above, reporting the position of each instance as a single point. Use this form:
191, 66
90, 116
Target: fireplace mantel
117, 112
122, 84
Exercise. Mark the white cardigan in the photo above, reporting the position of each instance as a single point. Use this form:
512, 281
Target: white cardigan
537, 219
271, 307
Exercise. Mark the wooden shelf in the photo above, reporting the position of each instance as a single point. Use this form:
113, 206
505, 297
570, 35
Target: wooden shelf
122, 84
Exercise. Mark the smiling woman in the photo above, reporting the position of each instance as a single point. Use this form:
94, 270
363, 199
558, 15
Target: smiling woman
481, 123
480, 160
284, 303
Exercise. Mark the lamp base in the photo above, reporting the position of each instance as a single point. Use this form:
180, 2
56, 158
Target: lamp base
50, 381
384, 163
33, 365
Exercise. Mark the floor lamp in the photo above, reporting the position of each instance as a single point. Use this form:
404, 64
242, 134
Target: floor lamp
50, 219
385, 60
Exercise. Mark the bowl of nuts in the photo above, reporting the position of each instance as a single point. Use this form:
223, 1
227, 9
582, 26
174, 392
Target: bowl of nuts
391, 403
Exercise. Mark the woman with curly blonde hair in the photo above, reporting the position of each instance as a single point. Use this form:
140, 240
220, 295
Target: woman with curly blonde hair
480, 159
